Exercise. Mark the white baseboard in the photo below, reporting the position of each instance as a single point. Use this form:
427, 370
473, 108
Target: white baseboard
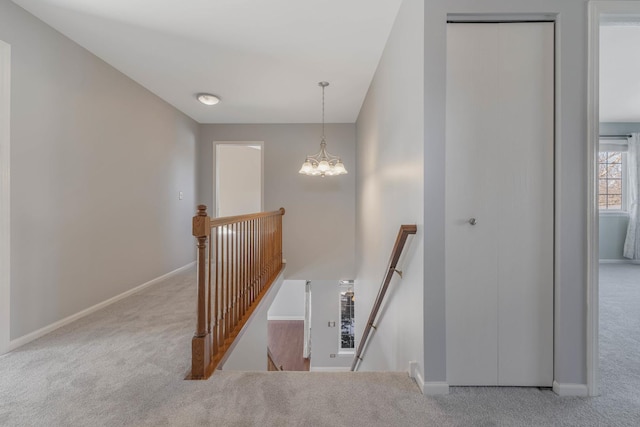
18, 342
431, 388
570, 389
619, 261
330, 369
414, 373
285, 317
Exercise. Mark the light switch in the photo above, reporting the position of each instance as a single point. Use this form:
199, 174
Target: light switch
180, 195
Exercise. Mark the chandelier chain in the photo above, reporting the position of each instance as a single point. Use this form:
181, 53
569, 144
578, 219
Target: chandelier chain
323, 112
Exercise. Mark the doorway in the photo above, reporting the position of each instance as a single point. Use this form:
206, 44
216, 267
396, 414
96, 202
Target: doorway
500, 203
5, 276
614, 129
238, 178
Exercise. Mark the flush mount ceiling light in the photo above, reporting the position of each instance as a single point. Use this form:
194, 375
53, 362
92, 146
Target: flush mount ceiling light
323, 163
208, 99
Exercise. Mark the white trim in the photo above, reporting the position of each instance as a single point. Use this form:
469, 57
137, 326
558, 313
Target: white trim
593, 213
5, 224
285, 318
435, 387
611, 11
60, 323
306, 350
214, 200
619, 261
329, 369
570, 389
414, 373
612, 213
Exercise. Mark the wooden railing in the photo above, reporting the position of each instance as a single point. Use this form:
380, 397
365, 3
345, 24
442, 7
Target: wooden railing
238, 259
403, 234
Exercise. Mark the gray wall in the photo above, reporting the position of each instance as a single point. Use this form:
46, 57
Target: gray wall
571, 179
613, 227
97, 163
613, 232
289, 303
319, 223
249, 349
390, 137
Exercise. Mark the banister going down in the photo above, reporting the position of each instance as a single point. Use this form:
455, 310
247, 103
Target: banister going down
238, 259
404, 232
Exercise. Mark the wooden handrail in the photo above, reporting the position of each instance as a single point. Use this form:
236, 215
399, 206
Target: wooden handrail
238, 259
403, 234
215, 222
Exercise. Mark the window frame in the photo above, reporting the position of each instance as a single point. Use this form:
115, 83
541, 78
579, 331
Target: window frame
615, 145
341, 350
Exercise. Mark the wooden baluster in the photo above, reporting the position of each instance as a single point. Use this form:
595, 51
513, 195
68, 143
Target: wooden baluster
277, 237
219, 288
255, 260
259, 264
209, 285
223, 275
267, 249
200, 344
244, 268
238, 266
234, 276
238, 274
248, 266
252, 247
230, 260
216, 296
272, 240
260, 255
229, 282
223, 288
225, 278
263, 247
269, 242
279, 241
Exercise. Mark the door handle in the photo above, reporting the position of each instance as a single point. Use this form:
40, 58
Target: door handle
472, 221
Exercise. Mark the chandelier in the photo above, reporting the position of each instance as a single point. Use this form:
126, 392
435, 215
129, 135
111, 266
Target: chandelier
323, 163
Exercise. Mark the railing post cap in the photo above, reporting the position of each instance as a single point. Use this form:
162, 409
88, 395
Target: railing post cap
202, 210
281, 211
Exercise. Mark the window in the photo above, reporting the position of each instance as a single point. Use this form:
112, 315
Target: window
612, 176
347, 320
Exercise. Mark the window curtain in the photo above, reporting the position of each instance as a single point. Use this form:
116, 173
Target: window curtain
632, 242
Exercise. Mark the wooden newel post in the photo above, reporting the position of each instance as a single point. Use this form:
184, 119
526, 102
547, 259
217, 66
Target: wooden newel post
200, 344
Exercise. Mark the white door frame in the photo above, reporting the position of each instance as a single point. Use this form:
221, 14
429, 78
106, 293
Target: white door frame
598, 10
215, 171
5, 229
306, 351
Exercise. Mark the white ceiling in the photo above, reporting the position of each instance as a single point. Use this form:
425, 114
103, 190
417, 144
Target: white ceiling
620, 73
262, 58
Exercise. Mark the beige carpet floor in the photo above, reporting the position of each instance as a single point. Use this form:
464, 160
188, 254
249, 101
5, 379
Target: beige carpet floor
124, 366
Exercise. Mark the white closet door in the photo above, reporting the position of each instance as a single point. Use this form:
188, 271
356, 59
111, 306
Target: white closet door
500, 115
471, 250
